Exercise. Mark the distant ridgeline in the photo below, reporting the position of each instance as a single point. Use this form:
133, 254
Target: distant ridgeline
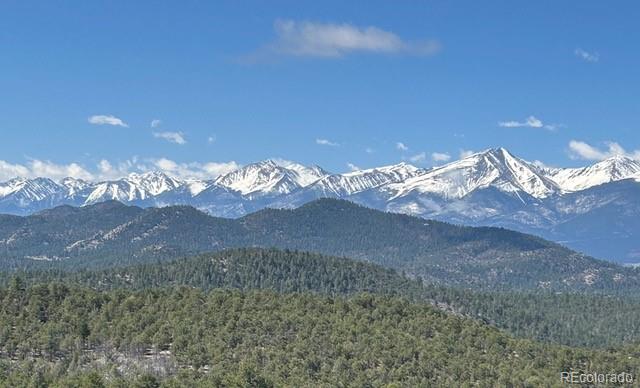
266, 317
111, 234
593, 209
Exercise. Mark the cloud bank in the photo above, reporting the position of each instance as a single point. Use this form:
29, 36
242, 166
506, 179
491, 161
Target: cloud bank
106, 170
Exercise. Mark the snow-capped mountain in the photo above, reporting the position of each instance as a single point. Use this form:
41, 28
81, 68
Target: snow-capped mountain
24, 196
610, 170
269, 178
26, 190
306, 175
495, 167
581, 207
135, 187
340, 185
75, 186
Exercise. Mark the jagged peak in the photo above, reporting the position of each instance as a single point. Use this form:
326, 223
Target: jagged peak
150, 175
617, 160
267, 163
615, 168
491, 167
402, 166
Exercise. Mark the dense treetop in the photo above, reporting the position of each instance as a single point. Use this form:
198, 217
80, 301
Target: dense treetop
55, 334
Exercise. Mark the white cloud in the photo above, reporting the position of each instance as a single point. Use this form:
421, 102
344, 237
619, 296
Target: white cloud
106, 170
582, 150
166, 164
43, 168
440, 157
109, 171
587, 56
59, 171
466, 153
418, 158
187, 170
553, 127
107, 120
326, 142
193, 170
173, 137
331, 40
353, 167
216, 169
155, 123
9, 171
530, 122
105, 167
401, 146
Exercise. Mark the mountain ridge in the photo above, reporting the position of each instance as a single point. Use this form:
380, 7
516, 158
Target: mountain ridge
489, 188
110, 233
281, 177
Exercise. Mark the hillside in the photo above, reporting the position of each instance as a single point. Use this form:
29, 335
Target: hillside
80, 337
253, 268
569, 319
437, 252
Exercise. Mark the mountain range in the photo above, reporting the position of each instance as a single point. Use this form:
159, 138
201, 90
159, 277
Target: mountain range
595, 209
111, 234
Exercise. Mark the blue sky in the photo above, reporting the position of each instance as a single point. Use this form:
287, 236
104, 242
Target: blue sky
329, 83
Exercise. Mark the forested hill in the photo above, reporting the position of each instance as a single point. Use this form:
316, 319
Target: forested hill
243, 268
67, 336
576, 320
110, 233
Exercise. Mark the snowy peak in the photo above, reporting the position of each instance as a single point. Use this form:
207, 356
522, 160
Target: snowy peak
306, 175
132, 188
268, 177
112, 190
362, 180
74, 186
495, 167
609, 170
519, 175
398, 171
26, 190
11, 186
283, 177
154, 182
